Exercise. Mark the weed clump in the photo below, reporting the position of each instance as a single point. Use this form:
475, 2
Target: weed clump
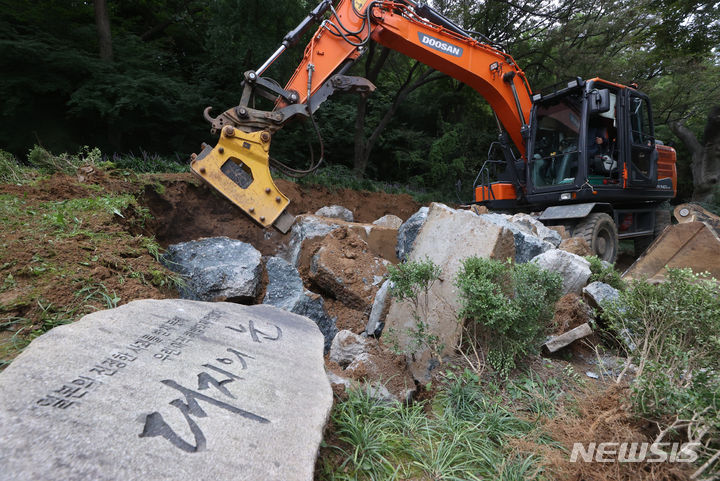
11, 171
670, 331
48, 163
506, 307
465, 434
411, 282
600, 272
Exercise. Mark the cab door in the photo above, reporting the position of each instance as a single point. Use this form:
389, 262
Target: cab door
640, 168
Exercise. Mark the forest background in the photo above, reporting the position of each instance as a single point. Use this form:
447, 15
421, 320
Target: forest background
132, 77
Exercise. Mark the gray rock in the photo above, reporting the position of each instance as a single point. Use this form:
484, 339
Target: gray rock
285, 290
216, 268
306, 227
573, 269
346, 347
537, 228
527, 244
598, 292
338, 380
408, 232
447, 238
392, 221
565, 339
380, 306
336, 212
167, 390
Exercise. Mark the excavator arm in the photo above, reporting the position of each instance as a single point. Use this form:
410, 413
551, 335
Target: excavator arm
238, 166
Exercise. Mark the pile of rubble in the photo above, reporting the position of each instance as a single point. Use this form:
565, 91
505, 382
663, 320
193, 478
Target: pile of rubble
334, 271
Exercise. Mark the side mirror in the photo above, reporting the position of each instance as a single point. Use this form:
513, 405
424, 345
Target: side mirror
599, 101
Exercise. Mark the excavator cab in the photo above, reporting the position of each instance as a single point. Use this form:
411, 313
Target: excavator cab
593, 141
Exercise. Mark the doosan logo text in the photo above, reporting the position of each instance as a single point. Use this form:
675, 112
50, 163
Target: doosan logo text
438, 44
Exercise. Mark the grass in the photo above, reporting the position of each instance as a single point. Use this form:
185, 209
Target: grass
23, 330
465, 433
335, 177
62, 259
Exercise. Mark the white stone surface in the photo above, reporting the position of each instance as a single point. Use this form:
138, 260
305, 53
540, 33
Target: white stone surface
336, 212
574, 270
392, 221
447, 237
167, 390
346, 346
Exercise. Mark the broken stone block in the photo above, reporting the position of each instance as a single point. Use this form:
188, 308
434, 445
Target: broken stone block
537, 228
447, 237
577, 246
380, 306
558, 342
386, 380
346, 269
336, 212
392, 221
216, 268
527, 244
560, 229
285, 290
109, 398
309, 232
408, 232
305, 229
336, 380
598, 292
346, 347
574, 270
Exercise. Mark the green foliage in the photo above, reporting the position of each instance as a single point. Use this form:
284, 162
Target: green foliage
411, 282
11, 171
508, 307
46, 162
465, 435
602, 273
671, 331
148, 163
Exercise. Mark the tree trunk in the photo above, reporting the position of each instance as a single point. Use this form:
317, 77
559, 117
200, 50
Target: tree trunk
363, 146
102, 23
705, 161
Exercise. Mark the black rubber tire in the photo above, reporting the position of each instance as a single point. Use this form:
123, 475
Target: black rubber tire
600, 232
662, 220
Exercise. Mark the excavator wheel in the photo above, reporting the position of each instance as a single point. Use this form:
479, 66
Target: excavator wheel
600, 232
662, 220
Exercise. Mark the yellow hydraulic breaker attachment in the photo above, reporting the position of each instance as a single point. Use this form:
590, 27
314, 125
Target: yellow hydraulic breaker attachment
238, 167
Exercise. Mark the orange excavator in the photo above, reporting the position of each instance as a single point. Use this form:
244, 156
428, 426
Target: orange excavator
584, 154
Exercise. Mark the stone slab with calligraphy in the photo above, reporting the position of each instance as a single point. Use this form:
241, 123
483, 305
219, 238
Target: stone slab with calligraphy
167, 390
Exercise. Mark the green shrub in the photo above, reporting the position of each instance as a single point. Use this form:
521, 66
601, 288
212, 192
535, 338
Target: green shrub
148, 163
11, 171
508, 307
672, 332
602, 273
411, 282
47, 162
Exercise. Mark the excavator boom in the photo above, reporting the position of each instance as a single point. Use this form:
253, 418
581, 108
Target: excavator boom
238, 166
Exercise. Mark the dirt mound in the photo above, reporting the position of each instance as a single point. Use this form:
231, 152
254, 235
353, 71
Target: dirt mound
184, 209
382, 367
605, 417
570, 312
63, 187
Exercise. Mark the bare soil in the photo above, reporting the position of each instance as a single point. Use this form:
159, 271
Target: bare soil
184, 209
